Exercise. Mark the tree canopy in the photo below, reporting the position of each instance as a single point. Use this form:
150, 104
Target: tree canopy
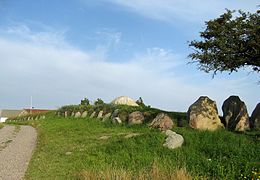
228, 43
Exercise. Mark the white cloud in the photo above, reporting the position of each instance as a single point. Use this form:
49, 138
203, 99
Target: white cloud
58, 73
189, 10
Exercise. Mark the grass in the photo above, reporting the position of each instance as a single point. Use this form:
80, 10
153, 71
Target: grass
73, 149
1, 125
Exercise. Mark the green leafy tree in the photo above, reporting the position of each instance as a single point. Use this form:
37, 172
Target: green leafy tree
228, 43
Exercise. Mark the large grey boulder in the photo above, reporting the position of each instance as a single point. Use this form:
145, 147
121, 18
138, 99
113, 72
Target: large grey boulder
173, 140
203, 115
235, 114
255, 117
124, 100
136, 118
162, 122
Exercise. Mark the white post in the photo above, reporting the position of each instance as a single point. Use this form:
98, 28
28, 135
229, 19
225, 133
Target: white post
31, 105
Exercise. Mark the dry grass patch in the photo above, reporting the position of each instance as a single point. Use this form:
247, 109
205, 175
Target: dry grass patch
154, 174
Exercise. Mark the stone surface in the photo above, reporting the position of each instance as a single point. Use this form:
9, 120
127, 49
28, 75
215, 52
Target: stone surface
115, 113
124, 100
255, 117
100, 115
162, 122
77, 115
117, 120
173, 140
84, 114
72, 114
93, 115
66, 114
235, 114
203, 115
136, 118
106, 116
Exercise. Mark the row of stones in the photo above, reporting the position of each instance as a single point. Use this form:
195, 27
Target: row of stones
203, 114
27, 118
162, 122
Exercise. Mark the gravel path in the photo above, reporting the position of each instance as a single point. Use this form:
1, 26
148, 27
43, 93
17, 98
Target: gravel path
15, 154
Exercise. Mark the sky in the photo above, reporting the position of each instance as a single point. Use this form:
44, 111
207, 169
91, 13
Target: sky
59, 52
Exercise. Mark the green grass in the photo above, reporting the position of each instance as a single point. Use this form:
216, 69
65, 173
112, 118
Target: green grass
68, 147
1, 125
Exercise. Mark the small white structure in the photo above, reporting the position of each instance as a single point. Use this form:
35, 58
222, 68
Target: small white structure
7, 113
124, 100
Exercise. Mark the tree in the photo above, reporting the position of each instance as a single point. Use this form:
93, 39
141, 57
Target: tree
229, 43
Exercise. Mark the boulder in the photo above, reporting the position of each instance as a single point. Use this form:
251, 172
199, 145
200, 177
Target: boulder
93, 115
115, 113
72, 114
77, 115
173, 140
66, 114
162, 122
84, 114
117, 120
136, 118
100, 115
255, 117
235, 114
203, 115
106, 116
124, 100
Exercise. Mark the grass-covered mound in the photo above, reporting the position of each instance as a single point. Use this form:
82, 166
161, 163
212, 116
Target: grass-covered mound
70, 148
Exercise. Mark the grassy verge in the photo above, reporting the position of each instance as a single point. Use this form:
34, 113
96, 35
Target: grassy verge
88, 148
1, 125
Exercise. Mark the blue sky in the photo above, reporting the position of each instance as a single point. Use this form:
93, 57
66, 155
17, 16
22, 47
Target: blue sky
62, 51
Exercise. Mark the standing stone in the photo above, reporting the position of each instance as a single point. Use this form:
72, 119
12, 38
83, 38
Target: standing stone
173, 140
162, 122
93, 115
115, 113
107, 116
235, 114
255, 117
203, 115
117, 120
136, 118
84, 114
66, 114
72, 114
77, 115
100, 115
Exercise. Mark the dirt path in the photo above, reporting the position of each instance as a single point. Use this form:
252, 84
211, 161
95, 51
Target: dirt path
16, 147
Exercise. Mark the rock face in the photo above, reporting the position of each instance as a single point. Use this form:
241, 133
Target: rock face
106, 116
77, 115
100, 115
117, 120
255, 117
124, 100
136, 118
235, 114
84, 114
203, 115
162, 122
173, 140
93, 115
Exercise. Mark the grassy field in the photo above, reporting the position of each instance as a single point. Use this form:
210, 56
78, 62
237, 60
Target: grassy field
89, 149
